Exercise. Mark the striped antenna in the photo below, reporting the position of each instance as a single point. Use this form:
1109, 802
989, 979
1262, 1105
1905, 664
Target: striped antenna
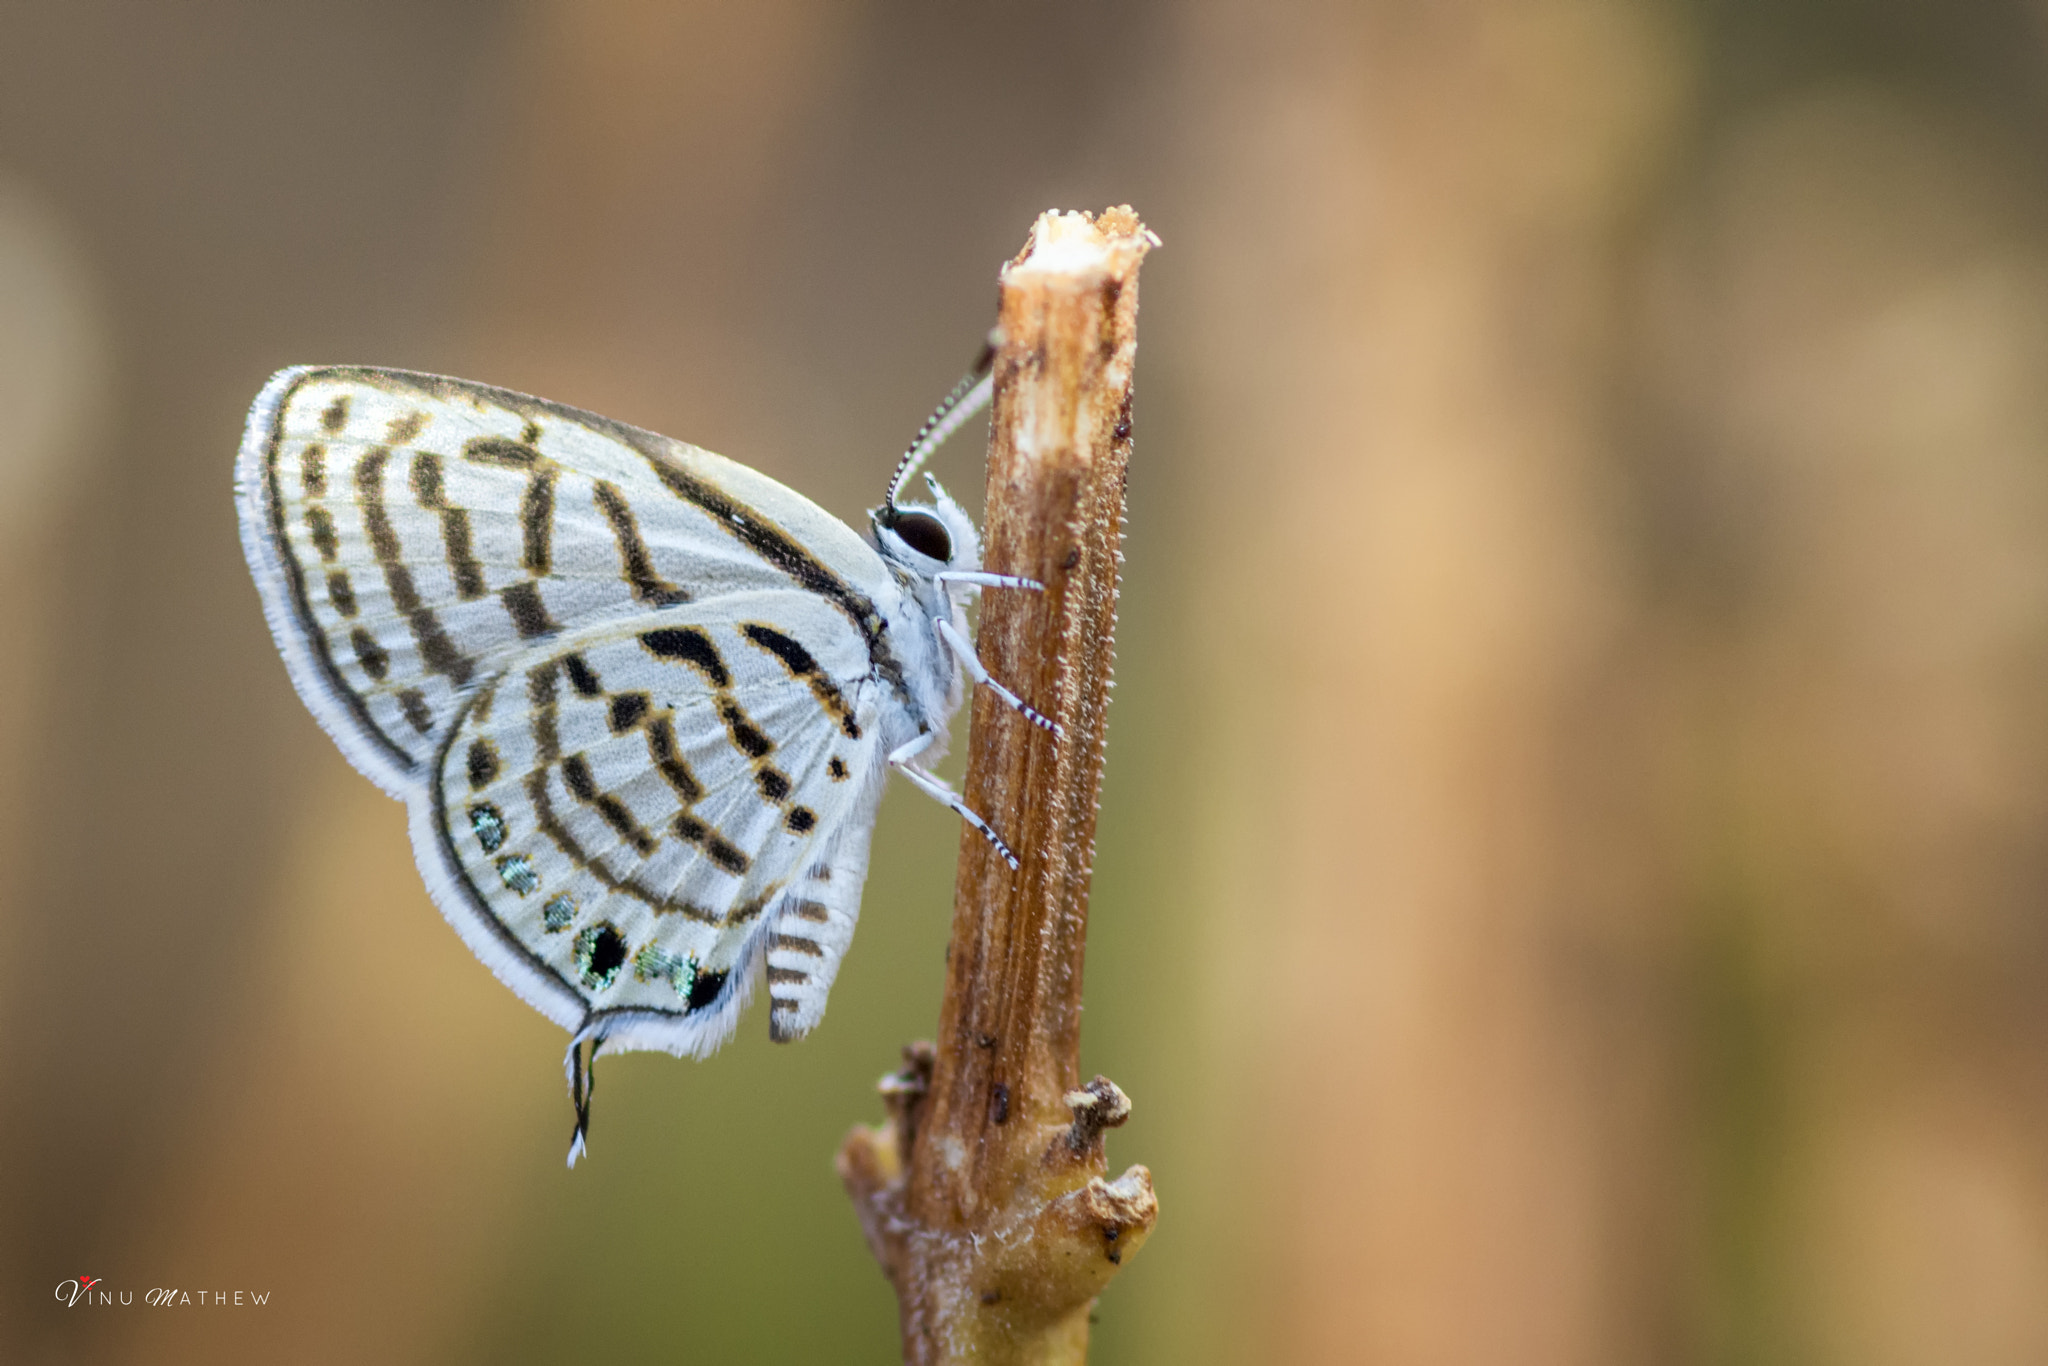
969, 397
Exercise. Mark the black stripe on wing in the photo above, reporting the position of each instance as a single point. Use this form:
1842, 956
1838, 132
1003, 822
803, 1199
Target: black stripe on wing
312, 638
742, 522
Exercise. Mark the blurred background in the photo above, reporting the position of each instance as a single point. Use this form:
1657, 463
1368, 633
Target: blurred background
1574, 866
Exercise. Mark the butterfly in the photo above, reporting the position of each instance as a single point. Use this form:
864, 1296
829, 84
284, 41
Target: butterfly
640, 701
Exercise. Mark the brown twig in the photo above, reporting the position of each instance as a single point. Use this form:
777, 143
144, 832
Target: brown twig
983, 1196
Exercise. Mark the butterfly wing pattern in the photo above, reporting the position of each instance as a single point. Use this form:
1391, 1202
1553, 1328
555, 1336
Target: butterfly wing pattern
658, 800
640, 700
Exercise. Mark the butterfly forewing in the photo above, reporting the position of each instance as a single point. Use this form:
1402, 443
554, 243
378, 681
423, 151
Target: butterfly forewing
412, 534
639, 805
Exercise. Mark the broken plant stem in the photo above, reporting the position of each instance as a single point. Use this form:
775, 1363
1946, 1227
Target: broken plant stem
984, 1195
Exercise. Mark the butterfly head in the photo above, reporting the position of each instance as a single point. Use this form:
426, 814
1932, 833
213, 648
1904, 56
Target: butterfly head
926, 538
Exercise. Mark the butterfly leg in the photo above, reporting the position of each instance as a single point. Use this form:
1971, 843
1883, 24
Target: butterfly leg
964, 650
981, 580
900, 760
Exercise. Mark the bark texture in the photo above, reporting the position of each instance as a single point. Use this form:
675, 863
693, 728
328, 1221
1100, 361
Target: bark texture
984, 1196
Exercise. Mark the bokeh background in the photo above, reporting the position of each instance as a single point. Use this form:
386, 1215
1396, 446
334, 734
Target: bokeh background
1574, 865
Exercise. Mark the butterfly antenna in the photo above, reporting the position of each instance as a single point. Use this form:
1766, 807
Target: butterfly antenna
969, 397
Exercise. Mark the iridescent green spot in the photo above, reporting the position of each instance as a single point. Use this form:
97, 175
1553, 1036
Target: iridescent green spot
489, 826
517, 872
556, 915
600, 953
680, 972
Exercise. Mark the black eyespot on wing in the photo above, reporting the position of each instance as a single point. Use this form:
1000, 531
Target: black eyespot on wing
800, 819
600, 953
925, 534
704, 990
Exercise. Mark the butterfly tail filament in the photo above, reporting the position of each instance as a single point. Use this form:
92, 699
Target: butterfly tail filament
581, 1066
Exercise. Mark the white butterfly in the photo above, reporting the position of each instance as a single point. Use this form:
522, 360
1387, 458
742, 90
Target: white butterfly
639, 700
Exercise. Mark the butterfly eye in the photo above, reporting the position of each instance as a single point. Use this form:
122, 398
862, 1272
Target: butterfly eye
925, 534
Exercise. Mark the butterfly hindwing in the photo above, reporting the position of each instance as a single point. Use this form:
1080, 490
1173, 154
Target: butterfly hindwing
632, 818
411, 534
